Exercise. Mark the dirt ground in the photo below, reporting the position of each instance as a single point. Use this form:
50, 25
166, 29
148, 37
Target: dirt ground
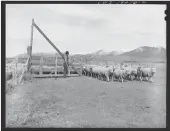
88, 102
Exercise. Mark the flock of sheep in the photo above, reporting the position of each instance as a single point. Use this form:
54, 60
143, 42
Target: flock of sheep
110, 73
10, 69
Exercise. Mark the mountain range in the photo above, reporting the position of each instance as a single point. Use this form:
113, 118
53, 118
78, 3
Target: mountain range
144, 53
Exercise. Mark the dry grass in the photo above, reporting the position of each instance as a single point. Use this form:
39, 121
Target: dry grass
87, 102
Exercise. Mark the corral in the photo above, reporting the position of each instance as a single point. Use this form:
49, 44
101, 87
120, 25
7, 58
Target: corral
87, 102
81, 101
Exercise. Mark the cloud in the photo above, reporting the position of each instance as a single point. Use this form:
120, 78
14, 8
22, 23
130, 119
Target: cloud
85, 28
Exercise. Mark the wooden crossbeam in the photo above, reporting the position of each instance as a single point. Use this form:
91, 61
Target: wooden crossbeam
41, 32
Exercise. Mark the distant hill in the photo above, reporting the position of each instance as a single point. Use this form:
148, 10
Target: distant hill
144, 53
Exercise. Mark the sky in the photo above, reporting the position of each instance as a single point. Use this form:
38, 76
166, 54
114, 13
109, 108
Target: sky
82, 29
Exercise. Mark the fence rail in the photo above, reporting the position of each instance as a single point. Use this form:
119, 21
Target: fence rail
42, 64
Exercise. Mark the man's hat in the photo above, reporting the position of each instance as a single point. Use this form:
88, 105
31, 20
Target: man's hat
67, 52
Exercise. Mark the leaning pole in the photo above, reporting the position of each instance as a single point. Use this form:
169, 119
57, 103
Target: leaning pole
49, 41
30, 48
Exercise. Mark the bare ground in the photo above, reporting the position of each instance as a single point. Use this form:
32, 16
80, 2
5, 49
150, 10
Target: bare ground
88, 102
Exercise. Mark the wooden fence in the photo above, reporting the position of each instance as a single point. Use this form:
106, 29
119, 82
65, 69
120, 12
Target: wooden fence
43, 66
53, 65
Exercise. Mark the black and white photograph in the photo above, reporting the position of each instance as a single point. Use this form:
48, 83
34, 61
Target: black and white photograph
85, 66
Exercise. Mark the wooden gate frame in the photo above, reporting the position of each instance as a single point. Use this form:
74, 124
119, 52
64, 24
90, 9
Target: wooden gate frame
31, 43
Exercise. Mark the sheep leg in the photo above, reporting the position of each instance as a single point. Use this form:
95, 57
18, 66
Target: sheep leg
97, 76
111, 78
140, 79
101, 78
146, 78
122, 79
151, 79
107, 78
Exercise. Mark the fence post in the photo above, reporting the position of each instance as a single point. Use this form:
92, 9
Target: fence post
24, 69
41, 65
56, 65
15, 71
81, 61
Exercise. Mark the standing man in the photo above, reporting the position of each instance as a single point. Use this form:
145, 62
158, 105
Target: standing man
66, 63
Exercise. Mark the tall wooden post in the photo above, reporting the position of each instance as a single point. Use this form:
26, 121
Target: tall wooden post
66, 63
30, 48
41, 65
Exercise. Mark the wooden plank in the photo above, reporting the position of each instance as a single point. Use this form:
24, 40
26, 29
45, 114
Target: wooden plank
49, 58
44, 75
49, 63
36, 57
35, 70
60, 64
49, 75
41, 64
44, 70
48, 70
35, 62
22, 59
78, 64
